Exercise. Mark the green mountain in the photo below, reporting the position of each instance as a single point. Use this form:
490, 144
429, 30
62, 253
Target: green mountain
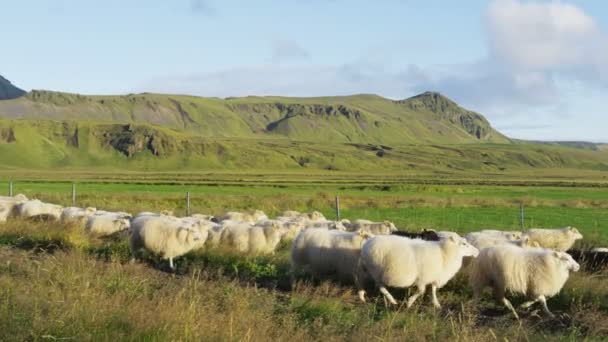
8, 90
45, 130
426, 118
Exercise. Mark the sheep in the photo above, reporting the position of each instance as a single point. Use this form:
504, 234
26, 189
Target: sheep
485, 240
215, 234
105, 225
599, 250
535, 272
558, 239
375, 228
203, 217
39, 209
325, 224
509, 234
257, 215
16, 198
289, 229
496, 235
76, 215
327, 252
149, 213
163, 235
292, 214
401, 262
252, 239
8, 205
428, 235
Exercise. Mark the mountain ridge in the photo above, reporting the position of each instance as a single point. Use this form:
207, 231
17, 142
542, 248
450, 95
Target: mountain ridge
345, 119
8, 91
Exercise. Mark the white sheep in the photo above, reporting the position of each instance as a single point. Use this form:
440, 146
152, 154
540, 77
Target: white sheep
375, 228
558, 239
105, 225
76, 215
292, 214
252, 239
252, 218
165, 236
161, 213
289, 229
8, 205
509, 234
489, 240
327, 252
205, 217
215, 235
39, 209
535, 272
401, 262
325, 224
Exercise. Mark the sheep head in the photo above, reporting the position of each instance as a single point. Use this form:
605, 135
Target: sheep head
20, 198
364, 234
464, 248
122, 224
566, 260
574, 233
390, 226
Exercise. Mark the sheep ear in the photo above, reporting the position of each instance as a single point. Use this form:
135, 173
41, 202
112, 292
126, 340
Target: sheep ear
556, 254
452, 238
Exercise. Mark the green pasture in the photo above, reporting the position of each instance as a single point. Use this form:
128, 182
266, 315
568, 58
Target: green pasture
459, 208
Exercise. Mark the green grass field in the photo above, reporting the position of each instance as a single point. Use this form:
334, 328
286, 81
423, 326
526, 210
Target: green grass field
57, 283
409, 206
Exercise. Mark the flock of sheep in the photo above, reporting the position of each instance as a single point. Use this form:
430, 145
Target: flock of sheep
533, 263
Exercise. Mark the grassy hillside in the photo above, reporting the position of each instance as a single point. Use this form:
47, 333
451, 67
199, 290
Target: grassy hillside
54, 145
427, 118
426, 134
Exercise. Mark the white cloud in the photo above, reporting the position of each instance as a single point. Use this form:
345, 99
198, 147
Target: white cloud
549, 36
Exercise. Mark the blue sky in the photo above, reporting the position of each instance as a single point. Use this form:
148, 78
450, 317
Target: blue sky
535, 69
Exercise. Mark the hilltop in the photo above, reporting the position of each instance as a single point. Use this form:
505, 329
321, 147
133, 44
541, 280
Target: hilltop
8, 90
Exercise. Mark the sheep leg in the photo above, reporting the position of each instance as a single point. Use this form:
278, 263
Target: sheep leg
529, 303
359, 283
508, 304
543, 302
434, 293
171, 264
415, 296
387, 294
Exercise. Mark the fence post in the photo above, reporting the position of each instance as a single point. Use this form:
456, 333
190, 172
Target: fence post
73, 193
521, 215
10, 188
337, 208
187, 203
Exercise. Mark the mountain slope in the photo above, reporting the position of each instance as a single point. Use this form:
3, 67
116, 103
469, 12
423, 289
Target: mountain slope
427, 133
8, 90
347, 119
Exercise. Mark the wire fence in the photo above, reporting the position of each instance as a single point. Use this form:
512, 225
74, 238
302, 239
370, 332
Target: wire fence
592, 221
